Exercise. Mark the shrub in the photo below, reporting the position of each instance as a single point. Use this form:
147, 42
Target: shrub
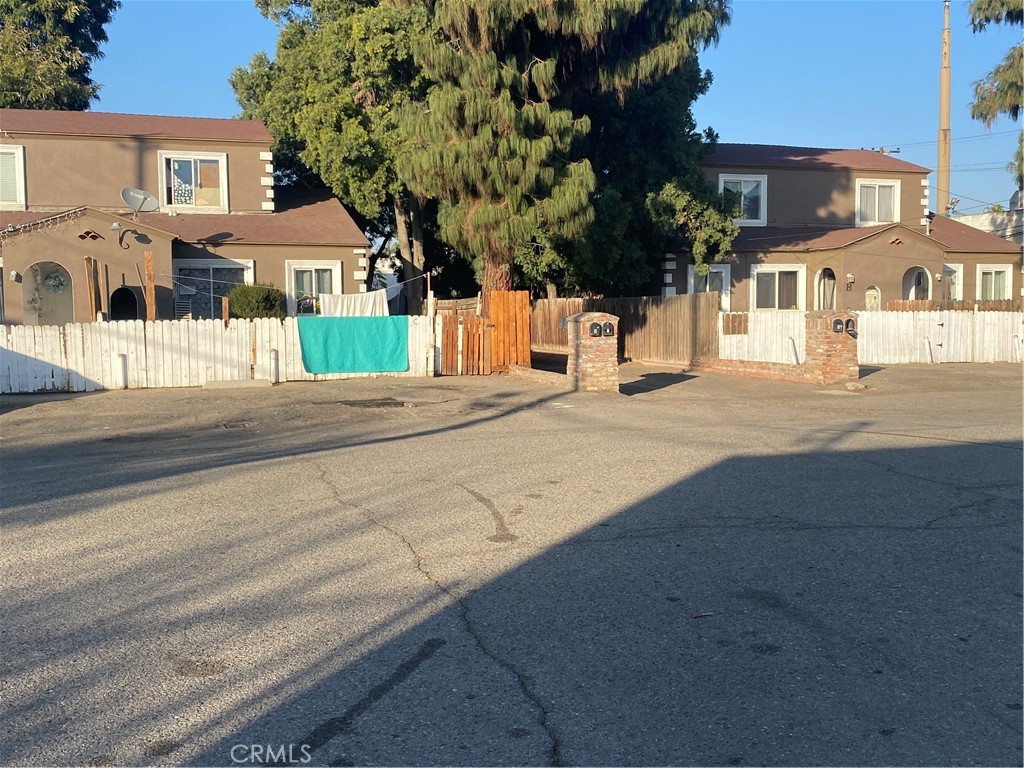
256, 300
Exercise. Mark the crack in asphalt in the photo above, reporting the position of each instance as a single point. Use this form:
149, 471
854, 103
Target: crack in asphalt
555, 753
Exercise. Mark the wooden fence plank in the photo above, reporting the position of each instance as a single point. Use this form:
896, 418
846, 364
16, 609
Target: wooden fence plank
5, 361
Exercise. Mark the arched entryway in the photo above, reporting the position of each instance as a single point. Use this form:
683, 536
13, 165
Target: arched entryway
825, 289
872, 298
47, 294
124, 304
917, 284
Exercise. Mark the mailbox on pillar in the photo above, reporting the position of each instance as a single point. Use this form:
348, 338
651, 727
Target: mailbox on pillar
593, 363
851, 327
837, 325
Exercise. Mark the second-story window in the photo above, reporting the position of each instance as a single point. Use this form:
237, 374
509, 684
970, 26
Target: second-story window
12, 178
749, 196
878, 202
194, 181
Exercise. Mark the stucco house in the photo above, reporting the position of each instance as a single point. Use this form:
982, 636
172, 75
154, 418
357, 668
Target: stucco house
218, 218
840, 229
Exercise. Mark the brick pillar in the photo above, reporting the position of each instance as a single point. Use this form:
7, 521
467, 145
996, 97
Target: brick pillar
831, 357
593, 364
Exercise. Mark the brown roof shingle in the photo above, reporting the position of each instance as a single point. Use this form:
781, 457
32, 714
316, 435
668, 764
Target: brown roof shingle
303, 217
800, 238
950, 234
778, 156
58, 122
961, 237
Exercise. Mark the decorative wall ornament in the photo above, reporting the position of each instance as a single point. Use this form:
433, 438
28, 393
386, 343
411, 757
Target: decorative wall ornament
55, 282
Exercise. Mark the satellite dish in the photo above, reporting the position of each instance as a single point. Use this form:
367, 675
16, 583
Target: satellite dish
139, 200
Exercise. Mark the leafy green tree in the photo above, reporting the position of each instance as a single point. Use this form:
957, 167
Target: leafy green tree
341, 70
47, 48
1001, 92
500, 137
636, 148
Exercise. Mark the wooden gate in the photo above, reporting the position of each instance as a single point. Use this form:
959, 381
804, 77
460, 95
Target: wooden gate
510, 314
655, 329
465, 345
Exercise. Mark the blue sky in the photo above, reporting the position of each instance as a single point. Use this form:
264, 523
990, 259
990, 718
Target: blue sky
825, 73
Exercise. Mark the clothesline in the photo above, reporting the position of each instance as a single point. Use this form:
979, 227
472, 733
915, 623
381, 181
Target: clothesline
178, 278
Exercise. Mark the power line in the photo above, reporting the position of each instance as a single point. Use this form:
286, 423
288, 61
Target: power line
976, 137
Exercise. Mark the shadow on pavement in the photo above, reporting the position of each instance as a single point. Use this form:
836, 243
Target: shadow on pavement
805, 609
650, 382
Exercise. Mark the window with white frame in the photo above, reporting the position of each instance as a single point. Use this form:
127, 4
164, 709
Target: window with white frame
307, 281
718, 279
12, 178
878, 202
194, 181
200, 285
749, 194
778, 286
994, 282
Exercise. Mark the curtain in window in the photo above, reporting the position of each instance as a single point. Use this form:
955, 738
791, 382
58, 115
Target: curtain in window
868, 203
324, 281
827, 290
764, 290
748, 198
8, 179
886, 204
311, 283
993, 285
787, 290
752, 200
999, 285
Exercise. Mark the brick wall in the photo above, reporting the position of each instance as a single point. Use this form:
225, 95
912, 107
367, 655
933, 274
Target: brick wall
593, 364
830, 357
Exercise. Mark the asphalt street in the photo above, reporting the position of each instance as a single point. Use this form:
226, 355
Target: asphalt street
702, 570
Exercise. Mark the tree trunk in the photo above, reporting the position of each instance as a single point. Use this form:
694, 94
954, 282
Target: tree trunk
416, 290
404, 246
497, 277
409, 214
552, 290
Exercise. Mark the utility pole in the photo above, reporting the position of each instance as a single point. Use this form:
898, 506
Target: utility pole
942, 171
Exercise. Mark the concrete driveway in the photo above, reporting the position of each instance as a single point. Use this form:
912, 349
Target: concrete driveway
705, 570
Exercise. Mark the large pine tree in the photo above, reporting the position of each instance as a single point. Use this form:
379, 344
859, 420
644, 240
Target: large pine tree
500, 137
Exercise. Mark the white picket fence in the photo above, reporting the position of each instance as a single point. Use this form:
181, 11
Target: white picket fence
170, 353
891, 338
772, 337
886, 338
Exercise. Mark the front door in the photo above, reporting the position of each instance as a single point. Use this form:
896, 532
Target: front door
46, 290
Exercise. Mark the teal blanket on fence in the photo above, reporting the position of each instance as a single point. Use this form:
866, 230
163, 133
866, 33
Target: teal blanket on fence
354, 344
